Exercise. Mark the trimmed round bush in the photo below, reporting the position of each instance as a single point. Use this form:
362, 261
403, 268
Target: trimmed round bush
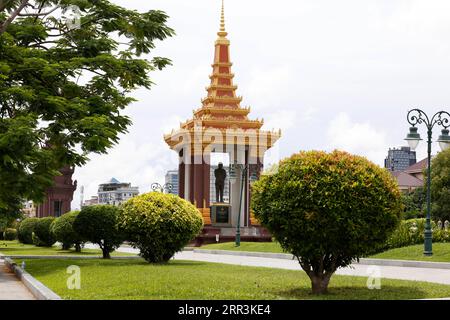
62, 229
98, 224
327, 209
42, 236
10, 234
26, 229
159, 224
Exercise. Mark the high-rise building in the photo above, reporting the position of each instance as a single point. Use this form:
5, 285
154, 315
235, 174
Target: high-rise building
172, 179
114, 192
400, 159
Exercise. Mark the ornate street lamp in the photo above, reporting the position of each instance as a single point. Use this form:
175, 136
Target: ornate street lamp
168, 187
442, 118
244, 168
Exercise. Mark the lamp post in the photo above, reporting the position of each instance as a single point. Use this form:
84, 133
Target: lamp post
244, 168
442, 118
161, 188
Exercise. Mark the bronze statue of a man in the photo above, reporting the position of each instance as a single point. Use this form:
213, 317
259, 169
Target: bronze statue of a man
220, 174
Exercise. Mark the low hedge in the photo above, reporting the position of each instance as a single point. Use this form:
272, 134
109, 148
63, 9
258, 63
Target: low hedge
42, 236
10, 234
62, 229
26, 229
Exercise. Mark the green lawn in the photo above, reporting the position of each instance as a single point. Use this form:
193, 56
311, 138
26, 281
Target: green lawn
16, 248
441, 251
137, 279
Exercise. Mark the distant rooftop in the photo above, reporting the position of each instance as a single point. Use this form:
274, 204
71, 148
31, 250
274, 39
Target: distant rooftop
418, 167
405, 179
112, 181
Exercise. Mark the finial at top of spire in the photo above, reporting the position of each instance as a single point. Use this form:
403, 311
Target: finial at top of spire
222, 17
222, 32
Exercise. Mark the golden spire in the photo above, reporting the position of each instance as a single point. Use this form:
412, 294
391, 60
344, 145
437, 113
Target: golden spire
222, 33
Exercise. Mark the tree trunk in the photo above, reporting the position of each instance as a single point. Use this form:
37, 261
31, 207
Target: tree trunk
65, 246
77, 247
320, 283
106, 254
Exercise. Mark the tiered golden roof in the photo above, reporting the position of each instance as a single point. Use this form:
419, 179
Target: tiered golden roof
221, 108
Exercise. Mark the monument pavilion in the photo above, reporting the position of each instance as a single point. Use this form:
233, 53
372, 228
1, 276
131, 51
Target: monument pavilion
221, 125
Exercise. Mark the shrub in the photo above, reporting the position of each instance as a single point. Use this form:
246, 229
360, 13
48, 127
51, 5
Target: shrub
26, 229
414, 203
327, 209
98, 224
159, 224
62, 229
10, 234
440, 185
42, 236
411, 232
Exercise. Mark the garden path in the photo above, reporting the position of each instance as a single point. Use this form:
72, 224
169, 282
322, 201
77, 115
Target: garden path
11, 288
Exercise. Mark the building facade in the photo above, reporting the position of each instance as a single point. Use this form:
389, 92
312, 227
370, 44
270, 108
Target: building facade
400, 159
29, 210
58, 198
91, 202
173, 180
115, 192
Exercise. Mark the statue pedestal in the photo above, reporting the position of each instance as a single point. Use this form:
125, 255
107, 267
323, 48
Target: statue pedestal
221, 214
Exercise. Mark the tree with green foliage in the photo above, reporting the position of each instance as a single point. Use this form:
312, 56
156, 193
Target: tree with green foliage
440, 186
63, 231
159, 225
42, 235
327, 209
98, 224
414, 203
64, 86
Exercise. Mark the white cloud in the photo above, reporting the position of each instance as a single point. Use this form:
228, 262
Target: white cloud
268, 87
357, 138
283, 119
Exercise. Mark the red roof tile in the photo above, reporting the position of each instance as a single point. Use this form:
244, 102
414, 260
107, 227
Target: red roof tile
418, 167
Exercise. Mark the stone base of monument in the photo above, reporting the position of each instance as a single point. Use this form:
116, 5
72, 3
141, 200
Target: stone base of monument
221, 215
228, 234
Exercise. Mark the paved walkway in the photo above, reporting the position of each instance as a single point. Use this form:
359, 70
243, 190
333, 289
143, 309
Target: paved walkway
11, 288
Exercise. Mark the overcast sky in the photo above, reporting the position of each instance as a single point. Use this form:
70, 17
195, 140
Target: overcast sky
330, 74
